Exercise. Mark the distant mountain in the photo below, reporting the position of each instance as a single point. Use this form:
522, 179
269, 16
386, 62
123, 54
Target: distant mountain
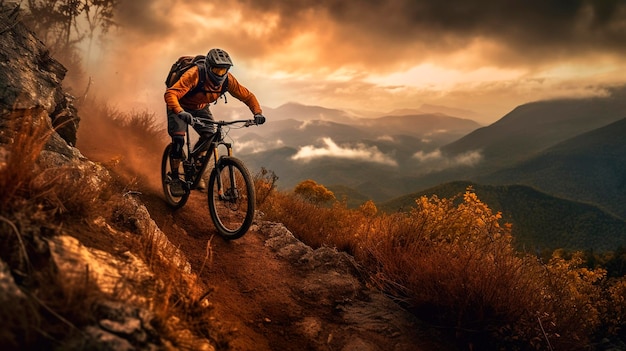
590, 167
299, 125
422, 125
293, 110
437, 109
329, 171
540, 221
356, 154
570, 148
430, 149
295, 133
533, 127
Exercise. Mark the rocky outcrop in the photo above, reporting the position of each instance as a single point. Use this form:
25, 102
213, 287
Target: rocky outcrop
36, 253
122, 314
330, 277
31, 79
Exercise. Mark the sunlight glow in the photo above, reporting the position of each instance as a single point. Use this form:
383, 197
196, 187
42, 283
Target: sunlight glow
434, 76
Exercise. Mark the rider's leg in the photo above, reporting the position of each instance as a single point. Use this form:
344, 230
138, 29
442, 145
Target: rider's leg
176, 155
176, 128
207, 131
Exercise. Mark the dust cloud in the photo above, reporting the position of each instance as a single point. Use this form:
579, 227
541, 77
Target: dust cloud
129, 144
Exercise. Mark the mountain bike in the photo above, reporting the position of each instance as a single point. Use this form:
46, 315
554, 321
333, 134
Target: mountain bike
230, 188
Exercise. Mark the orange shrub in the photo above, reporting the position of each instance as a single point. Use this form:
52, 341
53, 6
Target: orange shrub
454, 264
315, 193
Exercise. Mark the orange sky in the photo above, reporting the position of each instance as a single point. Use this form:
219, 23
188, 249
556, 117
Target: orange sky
487, 56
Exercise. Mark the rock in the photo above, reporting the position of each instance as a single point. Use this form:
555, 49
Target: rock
31, 79
123, 284
369, 320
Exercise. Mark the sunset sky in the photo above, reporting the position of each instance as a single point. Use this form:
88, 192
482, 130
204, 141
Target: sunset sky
487, 56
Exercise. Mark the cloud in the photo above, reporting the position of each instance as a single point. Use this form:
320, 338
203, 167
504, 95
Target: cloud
358, 152
254, 146
436, 161
386, 137
304, 124
389, 32
338, 35
484, 55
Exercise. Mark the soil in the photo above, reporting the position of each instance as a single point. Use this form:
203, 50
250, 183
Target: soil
272, 302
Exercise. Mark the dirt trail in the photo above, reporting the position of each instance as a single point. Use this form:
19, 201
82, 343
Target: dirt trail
271, 303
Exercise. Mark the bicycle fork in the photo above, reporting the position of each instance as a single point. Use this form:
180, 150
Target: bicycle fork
231, 194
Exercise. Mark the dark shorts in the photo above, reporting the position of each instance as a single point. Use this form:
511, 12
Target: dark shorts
176, 126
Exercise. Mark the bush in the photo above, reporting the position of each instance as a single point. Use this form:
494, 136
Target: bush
452, 262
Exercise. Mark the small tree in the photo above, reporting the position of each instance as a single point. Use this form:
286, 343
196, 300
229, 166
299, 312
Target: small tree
314, 193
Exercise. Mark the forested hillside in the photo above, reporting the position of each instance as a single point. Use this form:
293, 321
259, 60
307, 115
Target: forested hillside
590, 168
533, 127
540, 222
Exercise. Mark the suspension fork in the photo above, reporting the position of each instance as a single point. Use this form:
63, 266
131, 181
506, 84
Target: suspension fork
231, 172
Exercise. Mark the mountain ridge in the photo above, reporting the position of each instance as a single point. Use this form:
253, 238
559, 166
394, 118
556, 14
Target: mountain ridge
591, 168
540, 221
535, 126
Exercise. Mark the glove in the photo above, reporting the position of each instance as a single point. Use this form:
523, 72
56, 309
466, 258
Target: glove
259, 118
186, 117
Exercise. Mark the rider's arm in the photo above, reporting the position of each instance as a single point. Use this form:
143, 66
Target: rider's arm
242, 93
174, 93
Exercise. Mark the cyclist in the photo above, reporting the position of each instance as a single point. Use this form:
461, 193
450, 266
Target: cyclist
183, 108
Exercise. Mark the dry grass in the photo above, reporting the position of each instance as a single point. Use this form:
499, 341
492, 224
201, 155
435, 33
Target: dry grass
38, 202
32, 205
129, 143
135, 143
27, 134
454, 265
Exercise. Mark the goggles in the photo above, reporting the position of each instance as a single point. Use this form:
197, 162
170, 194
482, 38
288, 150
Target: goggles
220, 71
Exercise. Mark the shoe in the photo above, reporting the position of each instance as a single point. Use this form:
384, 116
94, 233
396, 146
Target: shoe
176, 187
201, 184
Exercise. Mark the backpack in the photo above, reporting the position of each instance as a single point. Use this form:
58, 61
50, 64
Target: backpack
183, 64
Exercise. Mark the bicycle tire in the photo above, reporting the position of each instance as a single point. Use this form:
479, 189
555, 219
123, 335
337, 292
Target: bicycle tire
173, 201
232, 215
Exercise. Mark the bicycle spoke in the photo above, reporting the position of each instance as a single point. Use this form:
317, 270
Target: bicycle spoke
231, 199
166, 180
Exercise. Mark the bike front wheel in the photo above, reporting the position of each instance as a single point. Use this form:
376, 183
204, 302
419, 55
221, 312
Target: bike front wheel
166, 179
231, 198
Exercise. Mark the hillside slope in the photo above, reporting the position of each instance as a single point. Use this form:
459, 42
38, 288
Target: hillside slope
540, 221
533, 127
84, 266
589, 168
275, 293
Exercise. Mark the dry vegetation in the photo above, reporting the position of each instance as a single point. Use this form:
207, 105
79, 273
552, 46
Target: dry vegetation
454, 265
450, 261
37, 203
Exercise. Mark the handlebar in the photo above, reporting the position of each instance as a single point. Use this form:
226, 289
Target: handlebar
204, 121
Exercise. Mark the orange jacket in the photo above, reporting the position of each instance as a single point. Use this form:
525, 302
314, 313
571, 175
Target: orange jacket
177, 101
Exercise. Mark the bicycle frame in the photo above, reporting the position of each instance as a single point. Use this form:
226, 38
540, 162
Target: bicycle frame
231, 195
211, 146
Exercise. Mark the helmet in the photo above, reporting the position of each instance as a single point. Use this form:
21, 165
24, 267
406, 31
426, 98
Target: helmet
218, 58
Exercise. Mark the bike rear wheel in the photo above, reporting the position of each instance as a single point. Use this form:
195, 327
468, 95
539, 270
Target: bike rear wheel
166, 180
231, 207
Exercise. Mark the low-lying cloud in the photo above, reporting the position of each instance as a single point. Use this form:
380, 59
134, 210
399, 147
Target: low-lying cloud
437, 161
255, 146
360, 152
